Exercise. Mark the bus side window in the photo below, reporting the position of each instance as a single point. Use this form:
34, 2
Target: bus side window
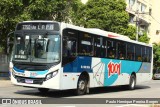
85, 44
69, 47
149, 54
121, 50
103, 48
144, 54
111, 49
130, 51
138, 51
130, 56
66, 49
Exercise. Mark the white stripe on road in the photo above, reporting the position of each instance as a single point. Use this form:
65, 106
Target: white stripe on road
66, 106
132, 105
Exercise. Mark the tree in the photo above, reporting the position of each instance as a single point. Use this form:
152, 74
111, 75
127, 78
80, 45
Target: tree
109, 15
144, 38
156, 57
57, 10
131, 33
14, 11
11, 12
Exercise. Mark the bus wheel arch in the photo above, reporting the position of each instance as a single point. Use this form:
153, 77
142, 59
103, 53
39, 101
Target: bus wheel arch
83, 84
132, 81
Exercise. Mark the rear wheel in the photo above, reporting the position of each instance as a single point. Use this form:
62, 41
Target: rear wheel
43, 90
132, 82
82, 86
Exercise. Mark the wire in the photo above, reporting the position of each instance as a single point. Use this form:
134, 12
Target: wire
155, 19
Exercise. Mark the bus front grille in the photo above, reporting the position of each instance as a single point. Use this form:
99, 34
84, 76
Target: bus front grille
34, 80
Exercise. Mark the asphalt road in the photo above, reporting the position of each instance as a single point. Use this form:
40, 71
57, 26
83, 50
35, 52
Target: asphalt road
149, 89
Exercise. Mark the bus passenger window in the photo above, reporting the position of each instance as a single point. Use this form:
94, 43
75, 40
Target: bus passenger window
138, 53
121, 56
111, 55
130, 56
121, 50
86, 47
111, 49
69, 47
66, 49
130, 52
149, 54
139, 58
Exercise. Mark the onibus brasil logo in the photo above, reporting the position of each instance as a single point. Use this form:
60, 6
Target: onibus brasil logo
114, 68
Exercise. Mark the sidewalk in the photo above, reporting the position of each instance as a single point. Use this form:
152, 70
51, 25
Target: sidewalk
5, 83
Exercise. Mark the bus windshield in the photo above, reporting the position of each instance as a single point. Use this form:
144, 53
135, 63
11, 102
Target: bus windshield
37, 48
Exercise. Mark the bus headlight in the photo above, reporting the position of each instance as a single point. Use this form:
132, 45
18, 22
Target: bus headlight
50, 75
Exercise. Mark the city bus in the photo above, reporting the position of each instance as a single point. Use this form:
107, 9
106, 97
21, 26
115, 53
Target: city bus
55, 55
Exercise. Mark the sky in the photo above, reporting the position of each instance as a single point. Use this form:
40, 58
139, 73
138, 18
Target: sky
84, 1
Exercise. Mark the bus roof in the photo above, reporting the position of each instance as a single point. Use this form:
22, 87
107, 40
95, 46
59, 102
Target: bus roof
32, 21
93, 31
105, 34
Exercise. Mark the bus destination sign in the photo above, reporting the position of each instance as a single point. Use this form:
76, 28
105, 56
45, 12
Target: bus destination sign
38, 26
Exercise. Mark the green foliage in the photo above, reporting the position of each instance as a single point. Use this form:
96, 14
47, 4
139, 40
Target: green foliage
58, 10
1, 50
11, 12
130, 31
109, 15
156, 53
14, 11
144, 38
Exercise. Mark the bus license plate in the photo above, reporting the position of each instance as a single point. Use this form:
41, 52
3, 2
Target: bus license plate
29, 81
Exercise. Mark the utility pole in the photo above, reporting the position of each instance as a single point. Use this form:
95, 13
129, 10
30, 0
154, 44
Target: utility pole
137, 25
137, 21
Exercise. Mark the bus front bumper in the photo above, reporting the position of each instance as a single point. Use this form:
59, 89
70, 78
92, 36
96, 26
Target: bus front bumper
52, 83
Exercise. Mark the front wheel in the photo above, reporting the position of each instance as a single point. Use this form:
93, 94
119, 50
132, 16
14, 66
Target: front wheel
132, 82
43, 90
82, 86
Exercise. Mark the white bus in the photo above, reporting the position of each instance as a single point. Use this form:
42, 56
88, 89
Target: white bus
55, 55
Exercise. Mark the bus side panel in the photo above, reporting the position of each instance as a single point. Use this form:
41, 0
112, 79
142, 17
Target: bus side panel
69, 80
104, 72
97, 77
144, 73
117, 72
72, 71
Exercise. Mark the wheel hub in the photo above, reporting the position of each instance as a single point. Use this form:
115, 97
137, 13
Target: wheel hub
132, 83
81, 85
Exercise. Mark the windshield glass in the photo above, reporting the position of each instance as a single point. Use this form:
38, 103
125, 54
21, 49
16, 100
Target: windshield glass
37, 48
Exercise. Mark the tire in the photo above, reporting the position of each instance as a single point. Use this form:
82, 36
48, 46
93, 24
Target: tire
43, 90
82, 86
132, 82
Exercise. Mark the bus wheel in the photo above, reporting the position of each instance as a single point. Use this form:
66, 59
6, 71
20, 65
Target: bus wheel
132, 82
82, 86
43, 90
